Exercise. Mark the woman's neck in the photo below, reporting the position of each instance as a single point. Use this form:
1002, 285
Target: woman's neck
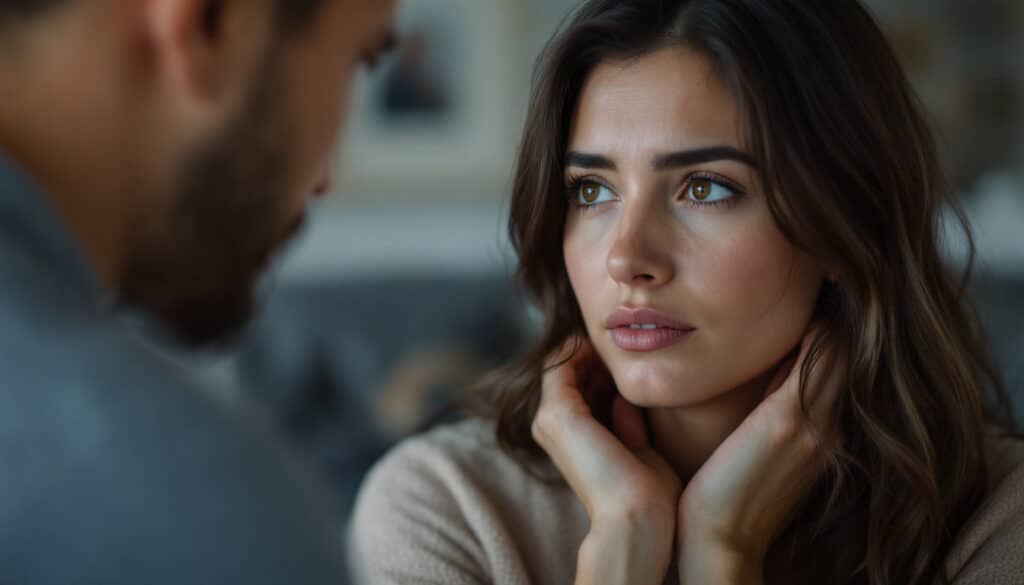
688, 436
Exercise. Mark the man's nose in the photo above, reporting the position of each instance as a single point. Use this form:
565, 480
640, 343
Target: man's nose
323, 184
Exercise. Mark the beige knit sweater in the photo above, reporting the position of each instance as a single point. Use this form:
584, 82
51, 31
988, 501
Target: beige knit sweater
450, 508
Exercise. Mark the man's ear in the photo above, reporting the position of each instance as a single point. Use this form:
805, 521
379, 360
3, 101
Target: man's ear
208, 50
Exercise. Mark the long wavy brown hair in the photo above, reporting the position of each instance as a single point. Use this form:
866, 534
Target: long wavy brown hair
851, 174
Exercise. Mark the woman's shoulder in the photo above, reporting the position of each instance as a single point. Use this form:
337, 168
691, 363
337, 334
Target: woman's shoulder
466, 451
462, 463
988, 548
451, 503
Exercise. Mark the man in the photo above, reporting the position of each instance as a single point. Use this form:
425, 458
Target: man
154, 154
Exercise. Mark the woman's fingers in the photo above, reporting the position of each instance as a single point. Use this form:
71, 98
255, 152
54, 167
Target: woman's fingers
583, 449
610, 467
785, 441
752, 484
800, 444
823, 380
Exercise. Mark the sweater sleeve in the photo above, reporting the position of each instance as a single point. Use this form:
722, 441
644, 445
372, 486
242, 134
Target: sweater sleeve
989, 549
409, 525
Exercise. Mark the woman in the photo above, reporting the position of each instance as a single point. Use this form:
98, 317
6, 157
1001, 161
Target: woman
755, 366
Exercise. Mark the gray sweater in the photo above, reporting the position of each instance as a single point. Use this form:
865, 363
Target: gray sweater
117, 467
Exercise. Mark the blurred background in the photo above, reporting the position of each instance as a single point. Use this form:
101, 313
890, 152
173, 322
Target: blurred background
400, 293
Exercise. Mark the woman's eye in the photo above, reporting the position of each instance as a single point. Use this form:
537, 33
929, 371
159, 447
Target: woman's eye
703, 190
592, 193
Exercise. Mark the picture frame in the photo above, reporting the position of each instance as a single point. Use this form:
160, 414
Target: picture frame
442, 115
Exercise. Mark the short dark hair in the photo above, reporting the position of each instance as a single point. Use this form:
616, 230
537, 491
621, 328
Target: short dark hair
25, 8
292, 15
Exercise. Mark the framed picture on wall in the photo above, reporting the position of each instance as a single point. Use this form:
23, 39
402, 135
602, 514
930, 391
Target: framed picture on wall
442, 114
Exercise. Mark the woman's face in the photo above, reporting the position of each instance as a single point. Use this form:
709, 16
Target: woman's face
688, 289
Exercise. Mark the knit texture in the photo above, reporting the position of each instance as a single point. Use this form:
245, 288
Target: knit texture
450, 507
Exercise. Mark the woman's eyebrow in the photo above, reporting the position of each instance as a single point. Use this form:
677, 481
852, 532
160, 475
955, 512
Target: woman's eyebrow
689, 158
683, 158
588, 161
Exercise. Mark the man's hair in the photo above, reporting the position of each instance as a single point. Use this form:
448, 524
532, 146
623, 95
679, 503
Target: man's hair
22, 8
292, 15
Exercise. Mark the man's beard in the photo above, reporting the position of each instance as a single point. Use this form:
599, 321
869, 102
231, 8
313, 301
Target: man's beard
199, 272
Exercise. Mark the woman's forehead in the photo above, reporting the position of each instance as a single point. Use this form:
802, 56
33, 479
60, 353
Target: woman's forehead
667, 99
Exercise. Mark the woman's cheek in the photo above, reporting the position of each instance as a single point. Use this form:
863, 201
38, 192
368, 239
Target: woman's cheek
739, 276
585, 261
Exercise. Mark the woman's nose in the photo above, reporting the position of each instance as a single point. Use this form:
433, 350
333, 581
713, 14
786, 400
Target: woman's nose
639, 255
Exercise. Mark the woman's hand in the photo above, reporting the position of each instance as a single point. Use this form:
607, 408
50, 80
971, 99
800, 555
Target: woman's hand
743, 496
630, 493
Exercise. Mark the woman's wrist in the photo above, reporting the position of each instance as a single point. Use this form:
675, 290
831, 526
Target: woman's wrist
625, 550
706, 559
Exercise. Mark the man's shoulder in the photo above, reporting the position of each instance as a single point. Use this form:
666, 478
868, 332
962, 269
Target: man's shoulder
78, 379
120, 467
66, 357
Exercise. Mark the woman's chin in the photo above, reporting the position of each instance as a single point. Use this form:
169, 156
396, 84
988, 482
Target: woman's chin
647, 387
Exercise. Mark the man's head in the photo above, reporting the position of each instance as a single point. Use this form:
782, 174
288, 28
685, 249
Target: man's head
221, 116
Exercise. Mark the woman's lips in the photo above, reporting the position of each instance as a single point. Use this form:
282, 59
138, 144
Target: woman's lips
643, 330
647, 340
